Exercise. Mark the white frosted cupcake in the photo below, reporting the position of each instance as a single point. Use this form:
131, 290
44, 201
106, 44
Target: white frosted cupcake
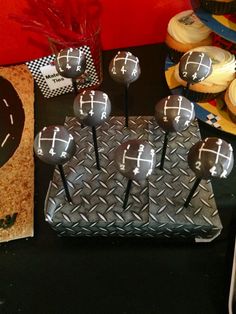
230, 100
184, 32
223, 73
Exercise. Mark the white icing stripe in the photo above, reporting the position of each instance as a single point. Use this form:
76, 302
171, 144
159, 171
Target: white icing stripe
50, 139
135, 61
11, 118
200, 64
6, 138
176, 108
218, 152
68, 143
5, 102
39, 139
214, 152
68, 57
140, 159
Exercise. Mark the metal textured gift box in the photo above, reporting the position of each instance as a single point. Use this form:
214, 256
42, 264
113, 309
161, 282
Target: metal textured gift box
155, 207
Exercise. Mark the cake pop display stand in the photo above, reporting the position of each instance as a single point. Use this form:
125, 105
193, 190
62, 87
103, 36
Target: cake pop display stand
155, 206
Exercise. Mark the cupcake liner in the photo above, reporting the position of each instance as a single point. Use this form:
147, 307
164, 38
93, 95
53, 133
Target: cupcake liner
200, 97
231, 115
217, 7
175, 55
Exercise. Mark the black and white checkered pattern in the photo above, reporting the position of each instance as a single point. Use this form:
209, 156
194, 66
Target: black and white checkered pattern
35, 65
213, 120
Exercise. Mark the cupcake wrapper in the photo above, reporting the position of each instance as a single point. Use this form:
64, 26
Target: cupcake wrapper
232, 116
216, 7
175, 55
200, 97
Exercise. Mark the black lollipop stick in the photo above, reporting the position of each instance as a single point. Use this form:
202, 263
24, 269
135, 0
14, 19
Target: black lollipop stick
135, 159
212, 157
124, 68
75, 86
163, 155
96, 147
186, 89
55, 145
127, 192
60, 167
126, 105
92, 108
173, 114
71, 63
195, 186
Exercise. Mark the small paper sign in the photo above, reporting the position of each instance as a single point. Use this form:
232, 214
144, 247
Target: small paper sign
53, 84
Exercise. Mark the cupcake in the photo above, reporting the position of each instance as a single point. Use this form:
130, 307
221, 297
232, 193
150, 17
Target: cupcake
221, 42
223, 73
219, 6
230, 100
184, 32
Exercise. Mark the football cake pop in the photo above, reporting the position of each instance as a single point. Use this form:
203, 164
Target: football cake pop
92, 108
210, 158
173, 114
135, 159
124, 68
55, 145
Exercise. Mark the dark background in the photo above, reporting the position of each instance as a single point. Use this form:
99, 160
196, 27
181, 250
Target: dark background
48, 274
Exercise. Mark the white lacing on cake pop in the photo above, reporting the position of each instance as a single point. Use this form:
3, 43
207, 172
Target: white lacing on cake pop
125, 59
68, 57
200, 64
53, 141
91, 102
217, 154
138, 159
179, 108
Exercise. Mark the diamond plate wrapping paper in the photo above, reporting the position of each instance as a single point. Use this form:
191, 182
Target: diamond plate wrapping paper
155, 206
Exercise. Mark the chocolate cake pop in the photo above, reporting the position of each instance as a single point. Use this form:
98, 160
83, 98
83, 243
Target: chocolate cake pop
70, 63
55, 145
212, 157
135, 159
124, 68
195, 66
174, 114
92, 108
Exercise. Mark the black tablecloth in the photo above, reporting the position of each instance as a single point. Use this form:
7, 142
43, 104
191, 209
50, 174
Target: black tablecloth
48, 274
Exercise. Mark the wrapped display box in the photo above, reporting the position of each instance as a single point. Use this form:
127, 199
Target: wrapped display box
156, 206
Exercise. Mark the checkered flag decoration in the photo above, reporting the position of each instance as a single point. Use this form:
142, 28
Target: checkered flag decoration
212, 119
38, 66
